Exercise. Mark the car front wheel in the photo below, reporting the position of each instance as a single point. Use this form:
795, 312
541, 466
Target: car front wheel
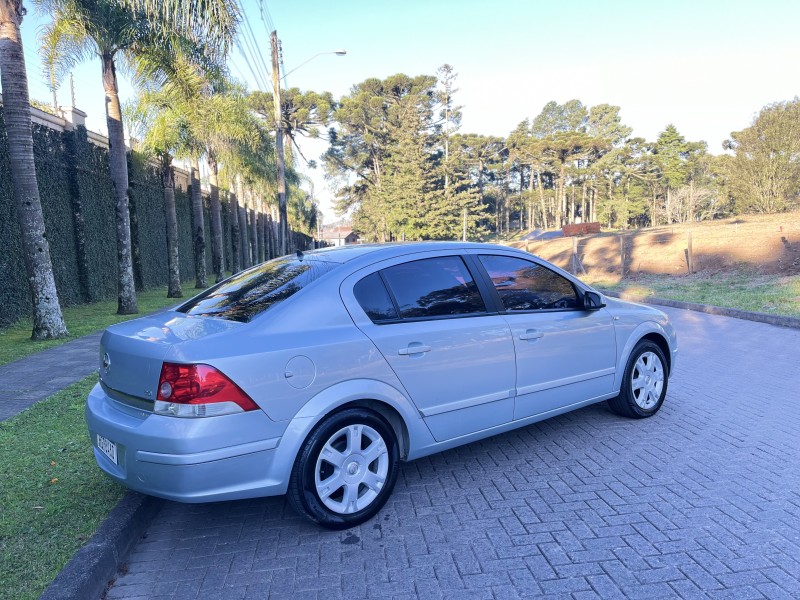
345, 470
644, 385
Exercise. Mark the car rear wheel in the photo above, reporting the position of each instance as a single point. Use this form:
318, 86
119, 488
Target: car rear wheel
644, 385
346, 469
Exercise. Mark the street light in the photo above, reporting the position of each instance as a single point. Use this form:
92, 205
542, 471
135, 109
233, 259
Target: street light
283, 226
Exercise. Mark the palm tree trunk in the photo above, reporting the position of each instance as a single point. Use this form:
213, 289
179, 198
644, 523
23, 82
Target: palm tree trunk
253, 230
173, 260
48, 323
245, 245
199, 232
234, 208
118, 165
260, 229
216, 217
268, 235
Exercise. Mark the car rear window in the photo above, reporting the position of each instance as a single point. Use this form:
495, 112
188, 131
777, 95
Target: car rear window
251, 292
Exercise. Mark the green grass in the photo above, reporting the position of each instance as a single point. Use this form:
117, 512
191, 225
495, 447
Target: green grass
15, 340
743, 289
52, 494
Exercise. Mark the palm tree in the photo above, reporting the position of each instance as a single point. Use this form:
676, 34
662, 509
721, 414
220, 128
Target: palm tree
133, 31
223, 122
249, 167
48, 321
160, 136
197, 112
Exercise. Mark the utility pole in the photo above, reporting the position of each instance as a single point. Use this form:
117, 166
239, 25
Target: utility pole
283, 224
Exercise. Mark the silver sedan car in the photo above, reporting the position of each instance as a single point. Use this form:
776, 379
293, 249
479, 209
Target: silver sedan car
314, 374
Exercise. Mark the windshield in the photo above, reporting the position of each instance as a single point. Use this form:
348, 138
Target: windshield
251, 292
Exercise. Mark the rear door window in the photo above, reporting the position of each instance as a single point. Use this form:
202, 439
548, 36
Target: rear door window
251, 292
434, 287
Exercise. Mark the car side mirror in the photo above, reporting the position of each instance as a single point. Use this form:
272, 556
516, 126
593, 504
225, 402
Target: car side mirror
593, 301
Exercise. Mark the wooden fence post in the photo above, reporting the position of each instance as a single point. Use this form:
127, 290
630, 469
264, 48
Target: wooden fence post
689, 254
622, 255
576, 260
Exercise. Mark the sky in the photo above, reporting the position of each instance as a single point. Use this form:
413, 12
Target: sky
706, 66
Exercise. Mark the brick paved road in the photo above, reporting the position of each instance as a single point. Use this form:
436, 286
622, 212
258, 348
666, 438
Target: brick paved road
702, 500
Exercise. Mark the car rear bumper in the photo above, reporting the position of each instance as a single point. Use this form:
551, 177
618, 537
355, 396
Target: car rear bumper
188, 460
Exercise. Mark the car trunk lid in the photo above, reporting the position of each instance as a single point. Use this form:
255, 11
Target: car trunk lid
132, 353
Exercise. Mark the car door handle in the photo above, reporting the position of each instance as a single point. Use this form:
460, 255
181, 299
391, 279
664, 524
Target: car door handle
531, 334
420, 349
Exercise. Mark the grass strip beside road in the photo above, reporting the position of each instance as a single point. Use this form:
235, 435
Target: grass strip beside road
16, 342
745, 290
52, 496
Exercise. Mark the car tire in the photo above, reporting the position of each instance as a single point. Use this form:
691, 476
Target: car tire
346, 469
644, 384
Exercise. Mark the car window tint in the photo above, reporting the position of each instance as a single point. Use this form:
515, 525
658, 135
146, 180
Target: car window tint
525, 285
251, 292
434, 287
374, 299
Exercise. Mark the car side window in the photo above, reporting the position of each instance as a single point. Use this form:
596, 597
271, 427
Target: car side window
374, 299
434, 287
524, 285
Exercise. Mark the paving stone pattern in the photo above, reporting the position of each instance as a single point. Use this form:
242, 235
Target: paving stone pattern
703, 500
33, 378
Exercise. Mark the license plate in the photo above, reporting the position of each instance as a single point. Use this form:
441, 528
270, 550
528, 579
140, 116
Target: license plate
107, 447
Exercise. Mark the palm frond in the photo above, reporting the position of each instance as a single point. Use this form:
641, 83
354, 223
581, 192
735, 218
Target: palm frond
64, 43
209, 22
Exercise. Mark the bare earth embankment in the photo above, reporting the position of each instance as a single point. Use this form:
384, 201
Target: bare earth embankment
750, 262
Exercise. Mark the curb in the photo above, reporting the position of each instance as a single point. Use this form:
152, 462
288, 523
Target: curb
90, 569
778, 320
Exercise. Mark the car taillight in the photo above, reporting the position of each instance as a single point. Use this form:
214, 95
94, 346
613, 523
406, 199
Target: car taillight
198, 391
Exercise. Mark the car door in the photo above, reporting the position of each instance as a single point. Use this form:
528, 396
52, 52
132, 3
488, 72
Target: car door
564, 354
455, 359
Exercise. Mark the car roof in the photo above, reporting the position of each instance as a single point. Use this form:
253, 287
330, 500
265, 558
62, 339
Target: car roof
352, 252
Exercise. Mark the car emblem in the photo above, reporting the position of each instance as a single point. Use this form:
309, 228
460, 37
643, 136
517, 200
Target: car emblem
106, 363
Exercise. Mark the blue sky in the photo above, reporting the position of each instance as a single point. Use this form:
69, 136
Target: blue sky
705, 66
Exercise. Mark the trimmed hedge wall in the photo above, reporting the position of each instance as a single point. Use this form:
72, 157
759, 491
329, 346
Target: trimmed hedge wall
78, 205
12, 269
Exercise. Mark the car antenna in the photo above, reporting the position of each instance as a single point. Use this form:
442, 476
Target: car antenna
299, 255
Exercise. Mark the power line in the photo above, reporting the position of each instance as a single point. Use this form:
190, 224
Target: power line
253, 44
256, 77
238, 71
266, 19
252, 61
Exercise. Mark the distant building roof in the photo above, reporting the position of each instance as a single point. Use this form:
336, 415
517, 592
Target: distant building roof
336, 232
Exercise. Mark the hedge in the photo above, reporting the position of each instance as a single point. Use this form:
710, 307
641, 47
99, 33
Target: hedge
78, 205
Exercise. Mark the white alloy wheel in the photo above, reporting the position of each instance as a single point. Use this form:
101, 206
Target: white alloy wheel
644, 384
351, 469
647, 380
